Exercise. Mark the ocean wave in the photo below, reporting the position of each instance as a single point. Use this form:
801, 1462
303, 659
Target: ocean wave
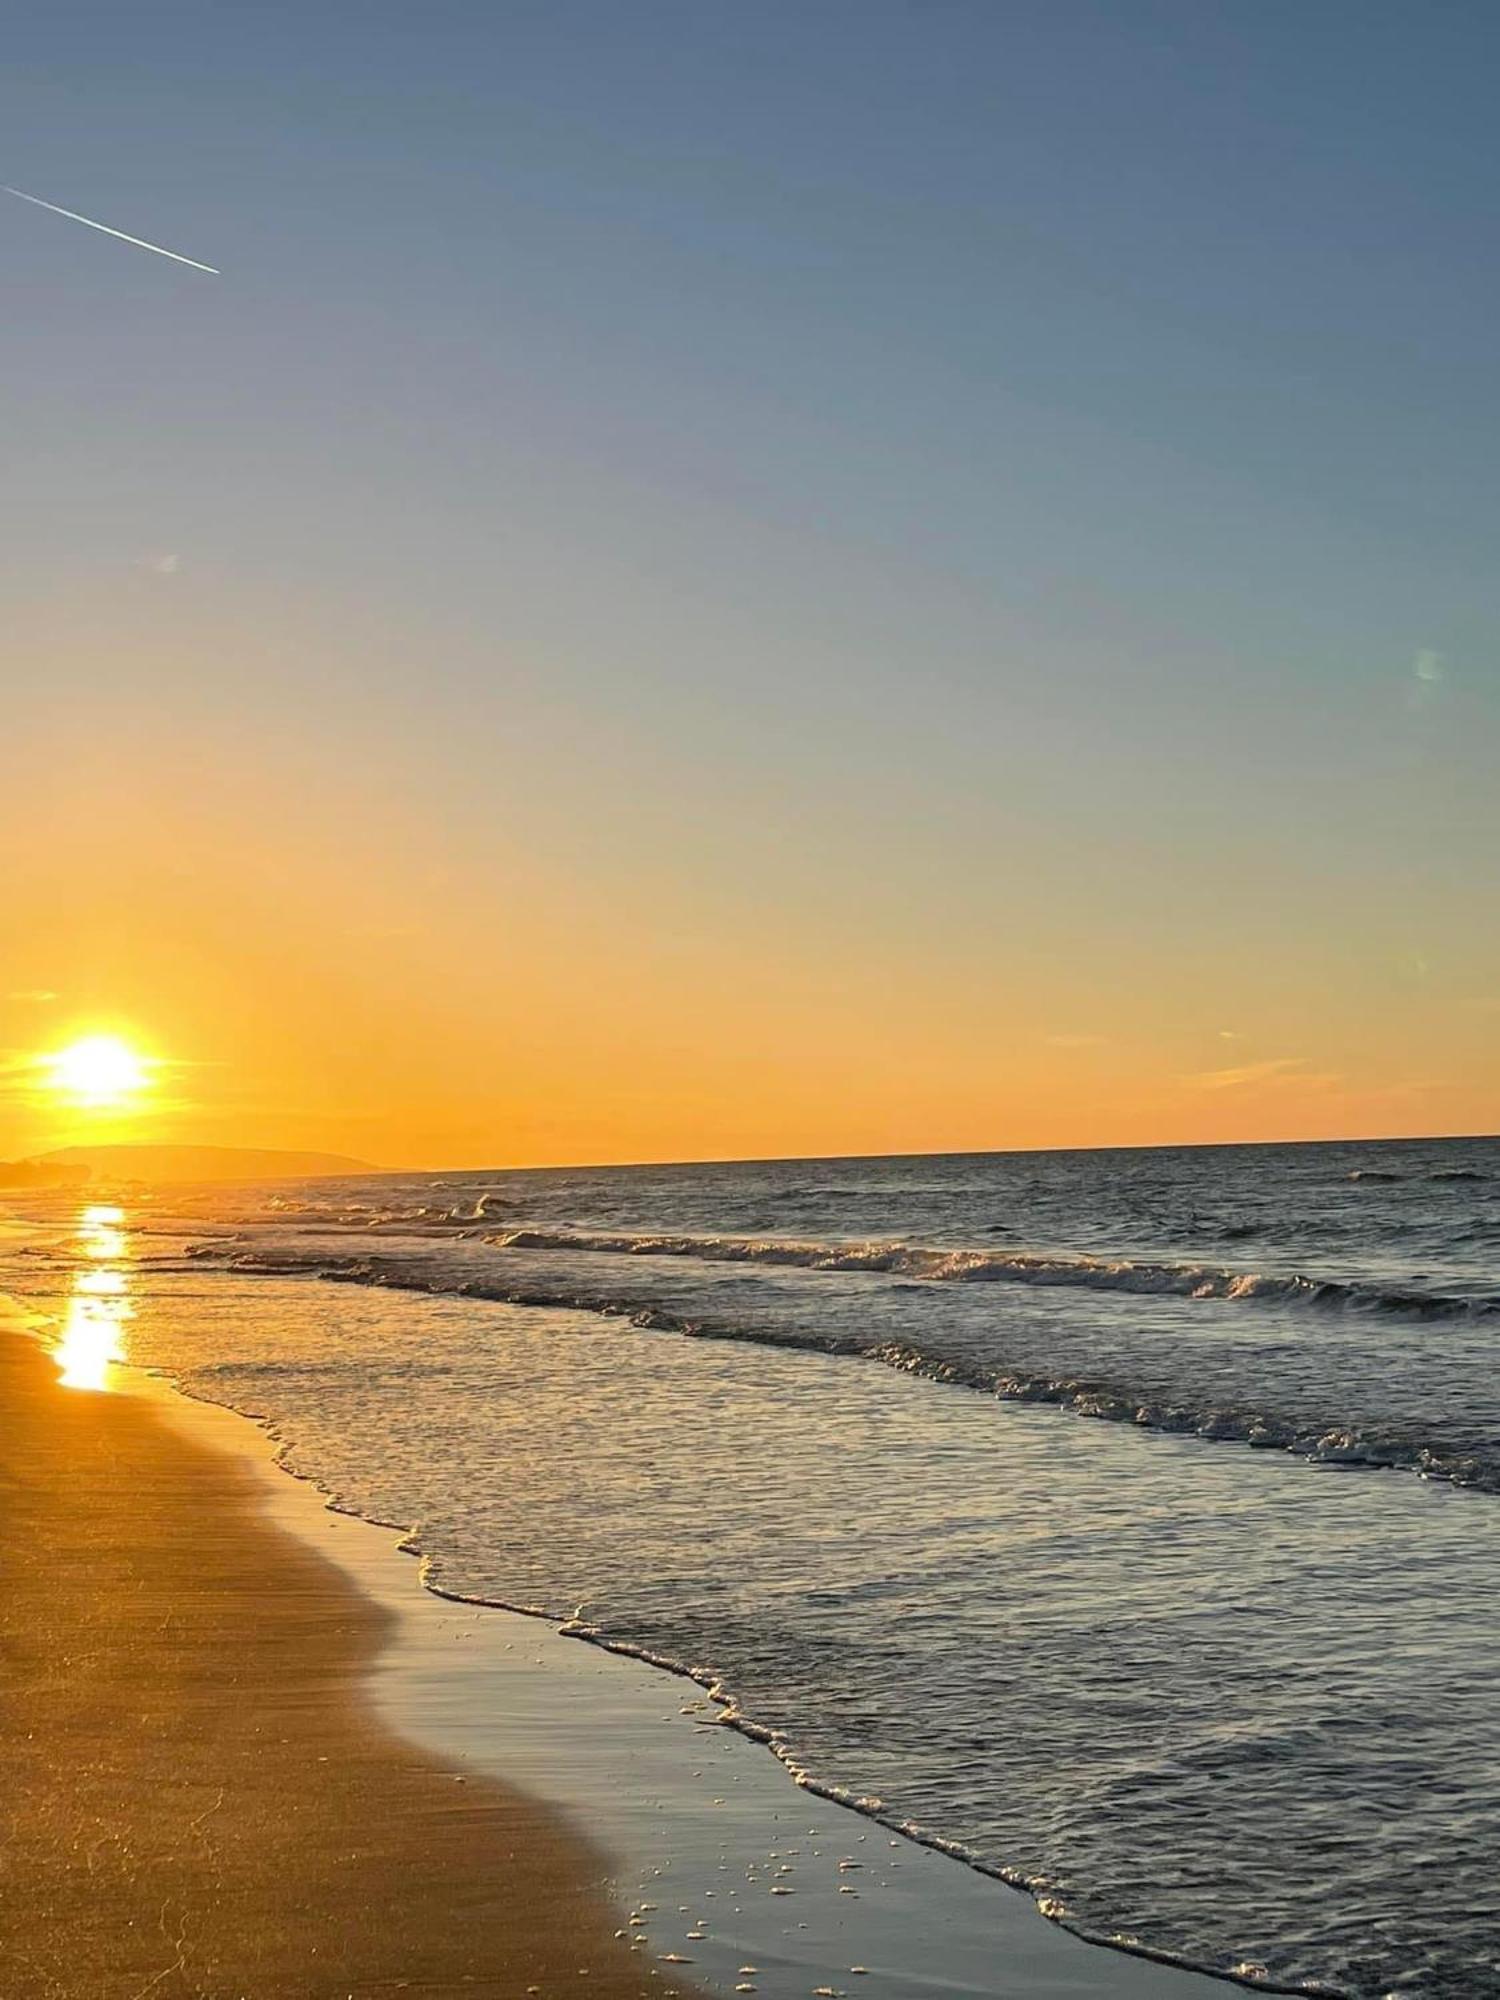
419, 1217
942, 1266
1328, 1438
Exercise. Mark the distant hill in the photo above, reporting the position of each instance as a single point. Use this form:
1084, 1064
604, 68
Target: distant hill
40, 1174
197, 1163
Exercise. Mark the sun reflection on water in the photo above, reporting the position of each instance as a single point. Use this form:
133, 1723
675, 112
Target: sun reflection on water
92, 1336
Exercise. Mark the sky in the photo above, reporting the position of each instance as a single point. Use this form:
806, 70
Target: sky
716, 580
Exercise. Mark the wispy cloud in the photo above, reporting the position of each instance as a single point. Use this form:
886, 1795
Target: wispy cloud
1276, 1070
1416, 1086
32, 996
20, 1072
1076, 1041
1428, 672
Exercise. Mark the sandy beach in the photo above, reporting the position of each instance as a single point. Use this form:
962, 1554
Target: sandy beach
199, 1799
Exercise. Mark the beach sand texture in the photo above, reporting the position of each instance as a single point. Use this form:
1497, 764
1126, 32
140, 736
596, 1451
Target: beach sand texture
197, 1799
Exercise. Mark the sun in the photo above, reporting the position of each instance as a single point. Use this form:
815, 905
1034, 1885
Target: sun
98, 1070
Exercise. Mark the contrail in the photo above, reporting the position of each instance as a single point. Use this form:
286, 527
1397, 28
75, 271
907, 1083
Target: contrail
139, 241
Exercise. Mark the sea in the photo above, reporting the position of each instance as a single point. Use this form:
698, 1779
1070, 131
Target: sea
1126, 1523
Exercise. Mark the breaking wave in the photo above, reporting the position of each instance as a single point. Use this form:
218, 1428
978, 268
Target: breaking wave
291, 1212
935, 1265
1327, 1437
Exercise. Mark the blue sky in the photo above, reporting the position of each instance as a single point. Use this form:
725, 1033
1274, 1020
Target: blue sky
1002, 489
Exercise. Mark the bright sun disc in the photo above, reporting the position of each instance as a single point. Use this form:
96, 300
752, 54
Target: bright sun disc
100, 1069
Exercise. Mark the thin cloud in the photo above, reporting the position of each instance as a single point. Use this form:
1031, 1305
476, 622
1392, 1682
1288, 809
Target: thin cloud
32, 996
1417, 1086
1076, 1041
1278, 1069
20, 1072
1429, 670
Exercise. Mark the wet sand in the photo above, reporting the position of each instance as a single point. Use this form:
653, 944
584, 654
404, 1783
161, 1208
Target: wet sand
196, 1795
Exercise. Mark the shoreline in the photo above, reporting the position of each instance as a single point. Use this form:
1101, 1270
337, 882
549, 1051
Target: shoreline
699, 1824
202, 1796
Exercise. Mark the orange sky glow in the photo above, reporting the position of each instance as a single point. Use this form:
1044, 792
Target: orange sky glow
321, 965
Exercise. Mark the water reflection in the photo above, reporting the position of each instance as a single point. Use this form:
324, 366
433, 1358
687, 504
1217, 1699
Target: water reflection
92, 1337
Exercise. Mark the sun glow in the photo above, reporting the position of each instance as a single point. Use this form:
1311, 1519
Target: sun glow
99, 1071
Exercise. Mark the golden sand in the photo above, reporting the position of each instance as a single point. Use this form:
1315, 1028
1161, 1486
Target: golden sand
195, 1798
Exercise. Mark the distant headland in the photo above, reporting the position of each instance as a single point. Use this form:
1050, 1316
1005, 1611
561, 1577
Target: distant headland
73, 1165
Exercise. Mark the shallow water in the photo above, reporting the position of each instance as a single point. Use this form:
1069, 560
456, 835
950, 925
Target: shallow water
1236, 1703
